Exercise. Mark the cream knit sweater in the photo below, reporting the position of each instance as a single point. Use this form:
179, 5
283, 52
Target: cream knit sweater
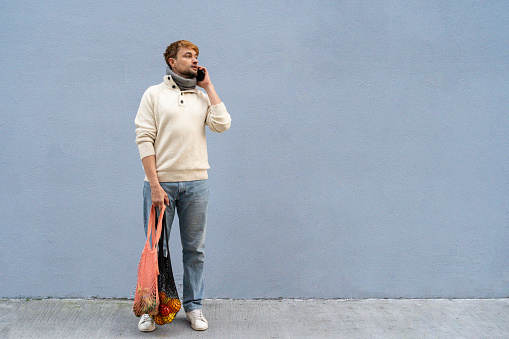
171, 125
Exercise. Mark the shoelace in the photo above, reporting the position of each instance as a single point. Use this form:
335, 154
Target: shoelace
198, 314
145, 318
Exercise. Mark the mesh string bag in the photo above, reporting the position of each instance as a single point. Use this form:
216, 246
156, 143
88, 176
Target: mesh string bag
169, 302
146, 297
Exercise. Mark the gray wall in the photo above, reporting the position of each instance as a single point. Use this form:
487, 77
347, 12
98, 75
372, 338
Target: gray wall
368, 155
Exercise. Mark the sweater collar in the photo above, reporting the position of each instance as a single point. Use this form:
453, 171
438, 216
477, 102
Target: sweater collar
172, 84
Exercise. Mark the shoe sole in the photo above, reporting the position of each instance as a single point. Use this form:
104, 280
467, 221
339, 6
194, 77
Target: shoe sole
147, 330
199, 329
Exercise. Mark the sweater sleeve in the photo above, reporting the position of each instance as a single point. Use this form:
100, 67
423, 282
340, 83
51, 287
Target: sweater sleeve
146, 129
218, 118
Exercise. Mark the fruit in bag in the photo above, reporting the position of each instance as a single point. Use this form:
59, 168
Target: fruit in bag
167, 310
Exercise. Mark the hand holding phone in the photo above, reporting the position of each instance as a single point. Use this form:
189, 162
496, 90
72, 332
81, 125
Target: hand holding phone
200, 75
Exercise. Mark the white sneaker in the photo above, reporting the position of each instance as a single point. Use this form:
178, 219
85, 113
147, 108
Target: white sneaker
198, 321
146, 324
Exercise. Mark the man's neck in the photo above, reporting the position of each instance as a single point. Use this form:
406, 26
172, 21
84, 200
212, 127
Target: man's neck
184, 83
186, 76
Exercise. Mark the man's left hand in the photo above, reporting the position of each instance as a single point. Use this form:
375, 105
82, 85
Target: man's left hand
206, 84
206, 81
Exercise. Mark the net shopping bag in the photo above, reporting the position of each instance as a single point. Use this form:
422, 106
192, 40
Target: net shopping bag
146, 297
169, 303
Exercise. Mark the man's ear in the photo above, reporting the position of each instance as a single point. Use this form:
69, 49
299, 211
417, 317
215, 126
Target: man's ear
170, 62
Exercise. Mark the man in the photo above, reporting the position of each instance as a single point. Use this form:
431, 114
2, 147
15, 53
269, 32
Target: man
170, 134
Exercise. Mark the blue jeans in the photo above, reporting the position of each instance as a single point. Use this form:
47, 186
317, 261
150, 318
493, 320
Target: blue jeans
190, 199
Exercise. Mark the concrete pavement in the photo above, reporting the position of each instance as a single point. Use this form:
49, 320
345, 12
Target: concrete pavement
286, 318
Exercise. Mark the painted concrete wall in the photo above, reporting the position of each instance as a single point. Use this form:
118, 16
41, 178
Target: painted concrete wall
368, 155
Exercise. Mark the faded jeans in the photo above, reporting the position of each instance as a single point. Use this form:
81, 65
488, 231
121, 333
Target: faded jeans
190, 200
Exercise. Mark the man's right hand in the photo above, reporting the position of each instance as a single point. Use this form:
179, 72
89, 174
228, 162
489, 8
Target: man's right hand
159, 196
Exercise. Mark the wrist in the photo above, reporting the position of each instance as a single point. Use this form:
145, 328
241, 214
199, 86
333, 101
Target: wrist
155, 185
208, 87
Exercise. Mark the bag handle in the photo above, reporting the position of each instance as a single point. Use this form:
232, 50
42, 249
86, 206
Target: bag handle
156, 232
164, 240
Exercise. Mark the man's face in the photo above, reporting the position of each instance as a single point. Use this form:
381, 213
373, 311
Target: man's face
186, 63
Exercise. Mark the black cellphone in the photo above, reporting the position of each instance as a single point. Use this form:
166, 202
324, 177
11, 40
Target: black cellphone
200, 75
